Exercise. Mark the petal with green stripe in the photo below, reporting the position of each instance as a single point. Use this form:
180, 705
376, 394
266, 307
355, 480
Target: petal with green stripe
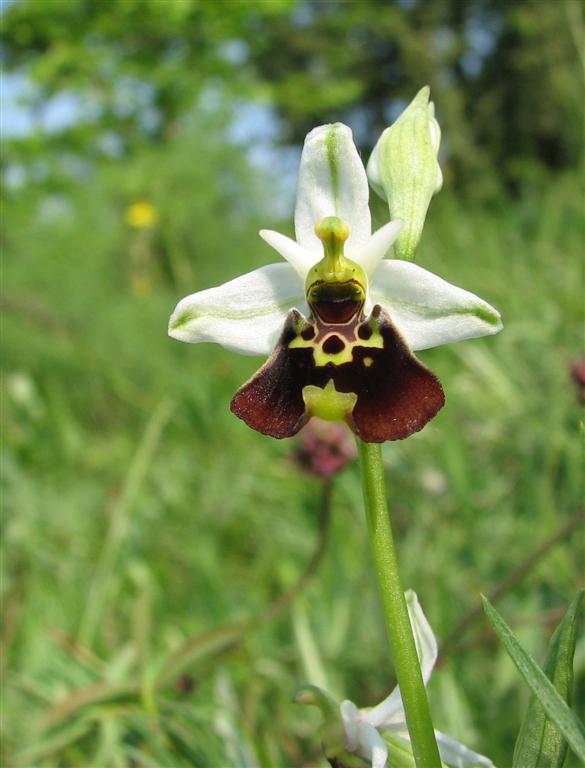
428, 310
244, 315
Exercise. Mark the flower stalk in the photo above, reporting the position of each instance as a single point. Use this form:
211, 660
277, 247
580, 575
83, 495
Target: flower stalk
406, 662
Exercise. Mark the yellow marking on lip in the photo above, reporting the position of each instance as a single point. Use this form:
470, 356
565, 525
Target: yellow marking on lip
322, 358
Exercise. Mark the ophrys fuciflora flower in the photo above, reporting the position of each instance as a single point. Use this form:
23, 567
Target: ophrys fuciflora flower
340, 321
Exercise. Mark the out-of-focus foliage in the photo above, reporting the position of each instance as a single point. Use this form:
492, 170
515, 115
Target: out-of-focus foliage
506, 77
527, 102
140, 515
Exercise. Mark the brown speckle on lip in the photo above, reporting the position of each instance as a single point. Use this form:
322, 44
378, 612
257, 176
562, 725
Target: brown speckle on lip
333, 345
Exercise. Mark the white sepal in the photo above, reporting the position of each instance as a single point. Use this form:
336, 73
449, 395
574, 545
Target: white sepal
245, 315
332, 182
458, 755
373, 746
373, 251
361, 737
350, 716
391, 711
298, 257
428, 310
424, 637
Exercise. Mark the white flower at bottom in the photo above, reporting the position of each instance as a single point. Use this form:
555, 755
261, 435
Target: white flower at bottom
379, 735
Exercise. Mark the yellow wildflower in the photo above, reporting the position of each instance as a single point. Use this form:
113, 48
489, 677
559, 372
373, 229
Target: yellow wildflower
141, 215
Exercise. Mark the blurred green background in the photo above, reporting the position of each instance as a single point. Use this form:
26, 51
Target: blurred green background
141, 519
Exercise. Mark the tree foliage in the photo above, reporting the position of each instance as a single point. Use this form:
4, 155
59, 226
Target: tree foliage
506, 77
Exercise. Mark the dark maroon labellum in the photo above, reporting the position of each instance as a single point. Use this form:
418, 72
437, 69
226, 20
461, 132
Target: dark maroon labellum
396, 394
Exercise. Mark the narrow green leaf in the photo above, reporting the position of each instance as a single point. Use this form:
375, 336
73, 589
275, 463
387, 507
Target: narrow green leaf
66, 710
200, 647
540, 743
541, 686
55, 744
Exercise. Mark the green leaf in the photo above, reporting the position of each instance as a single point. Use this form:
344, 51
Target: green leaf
54, 744
554, 706
540, 743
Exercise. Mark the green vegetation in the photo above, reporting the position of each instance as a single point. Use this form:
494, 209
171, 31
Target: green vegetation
507, 77
145, 526
140, 512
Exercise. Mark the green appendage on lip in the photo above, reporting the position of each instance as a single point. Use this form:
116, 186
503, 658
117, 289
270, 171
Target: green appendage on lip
327, 403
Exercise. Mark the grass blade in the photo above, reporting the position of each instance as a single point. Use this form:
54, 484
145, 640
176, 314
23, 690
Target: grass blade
540, 743
541, 686
99, 591
55, 744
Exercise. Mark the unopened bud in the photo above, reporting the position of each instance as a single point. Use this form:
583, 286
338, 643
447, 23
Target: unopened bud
404, 170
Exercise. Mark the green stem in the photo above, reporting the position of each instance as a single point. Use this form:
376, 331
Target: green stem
406, 664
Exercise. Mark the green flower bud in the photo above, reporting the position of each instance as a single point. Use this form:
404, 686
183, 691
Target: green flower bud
404, 170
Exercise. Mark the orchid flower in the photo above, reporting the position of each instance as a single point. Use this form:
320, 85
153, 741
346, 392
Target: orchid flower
339, 321
379, 735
